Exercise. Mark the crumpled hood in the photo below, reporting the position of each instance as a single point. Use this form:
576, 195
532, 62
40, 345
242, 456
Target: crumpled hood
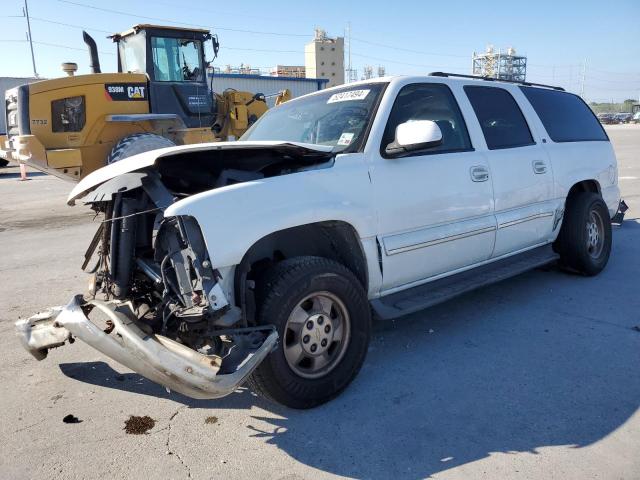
148, 159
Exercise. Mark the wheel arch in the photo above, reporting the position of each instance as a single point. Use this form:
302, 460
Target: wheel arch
588, 185
333, 239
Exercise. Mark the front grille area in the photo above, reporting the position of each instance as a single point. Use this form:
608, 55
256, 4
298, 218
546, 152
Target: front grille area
17, 111
11, 111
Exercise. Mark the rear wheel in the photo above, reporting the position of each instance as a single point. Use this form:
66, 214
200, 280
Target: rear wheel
137, 143
3, 162
323, 319
584, 242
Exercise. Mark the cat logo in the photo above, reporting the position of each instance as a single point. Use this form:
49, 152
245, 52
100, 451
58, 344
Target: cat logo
123, 92
135, 92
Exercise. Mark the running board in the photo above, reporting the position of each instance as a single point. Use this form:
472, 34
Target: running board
423, 296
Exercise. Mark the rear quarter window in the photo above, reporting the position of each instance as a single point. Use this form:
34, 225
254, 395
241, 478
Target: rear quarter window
565, 116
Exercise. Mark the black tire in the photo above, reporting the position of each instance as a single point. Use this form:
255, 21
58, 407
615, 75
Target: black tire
137, 143
281, 289
3, 162
572, 243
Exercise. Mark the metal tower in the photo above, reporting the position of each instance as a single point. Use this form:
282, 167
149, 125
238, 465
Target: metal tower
502, 65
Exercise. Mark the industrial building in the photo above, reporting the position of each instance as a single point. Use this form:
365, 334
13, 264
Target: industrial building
267, 85
501, 65
297, 71
324, 58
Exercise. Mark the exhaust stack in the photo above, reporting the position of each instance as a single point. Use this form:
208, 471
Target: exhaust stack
93, 52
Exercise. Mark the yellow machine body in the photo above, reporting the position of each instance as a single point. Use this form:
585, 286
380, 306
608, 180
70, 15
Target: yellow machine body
107, 107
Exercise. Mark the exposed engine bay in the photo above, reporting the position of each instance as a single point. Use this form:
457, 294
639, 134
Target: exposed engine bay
164, 312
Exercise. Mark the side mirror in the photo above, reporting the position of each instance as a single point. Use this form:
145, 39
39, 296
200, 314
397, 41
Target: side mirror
415, 135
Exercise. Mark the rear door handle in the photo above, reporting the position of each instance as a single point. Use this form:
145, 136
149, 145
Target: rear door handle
479, 174
539, 166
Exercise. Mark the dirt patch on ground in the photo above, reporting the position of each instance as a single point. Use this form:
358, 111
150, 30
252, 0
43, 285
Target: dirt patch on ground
211, 420
139, 425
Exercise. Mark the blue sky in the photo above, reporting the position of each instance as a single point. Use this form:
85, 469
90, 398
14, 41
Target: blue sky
406, 36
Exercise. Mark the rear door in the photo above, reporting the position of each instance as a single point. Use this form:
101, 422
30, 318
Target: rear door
521, 171
434, 206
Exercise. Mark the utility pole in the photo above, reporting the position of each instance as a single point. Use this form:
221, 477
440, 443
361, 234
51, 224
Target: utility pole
25, 12
584, 71
349, 77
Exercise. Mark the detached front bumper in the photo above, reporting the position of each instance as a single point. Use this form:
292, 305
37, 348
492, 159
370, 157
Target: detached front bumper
155, 357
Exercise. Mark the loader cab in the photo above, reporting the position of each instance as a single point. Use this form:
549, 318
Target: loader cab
174, 61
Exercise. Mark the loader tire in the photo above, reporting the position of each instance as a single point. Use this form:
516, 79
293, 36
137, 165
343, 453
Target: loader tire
137, 143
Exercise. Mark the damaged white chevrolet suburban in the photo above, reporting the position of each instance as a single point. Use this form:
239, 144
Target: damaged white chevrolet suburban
262, 260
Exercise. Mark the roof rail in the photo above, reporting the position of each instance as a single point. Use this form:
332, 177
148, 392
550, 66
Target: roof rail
491, 79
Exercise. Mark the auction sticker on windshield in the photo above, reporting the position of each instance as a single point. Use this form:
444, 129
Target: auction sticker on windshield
348, 96
345, 138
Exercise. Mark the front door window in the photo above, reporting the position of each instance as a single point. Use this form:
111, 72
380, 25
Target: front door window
176, 60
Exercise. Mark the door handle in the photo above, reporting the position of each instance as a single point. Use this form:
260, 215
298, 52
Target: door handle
539, 166
479, 174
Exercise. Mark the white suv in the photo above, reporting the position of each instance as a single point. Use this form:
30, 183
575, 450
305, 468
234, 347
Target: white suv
260, 260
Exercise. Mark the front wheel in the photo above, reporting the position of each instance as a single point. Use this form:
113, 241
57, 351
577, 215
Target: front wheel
584, 242
323, 319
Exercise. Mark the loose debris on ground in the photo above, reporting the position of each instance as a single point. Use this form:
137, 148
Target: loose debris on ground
211, 420
139, 425
71, 419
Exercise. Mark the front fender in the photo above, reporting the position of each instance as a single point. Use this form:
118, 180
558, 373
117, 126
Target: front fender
234, 217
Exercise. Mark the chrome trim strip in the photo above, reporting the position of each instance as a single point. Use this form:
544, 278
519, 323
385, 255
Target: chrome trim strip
440, 240
417, 283
525, 219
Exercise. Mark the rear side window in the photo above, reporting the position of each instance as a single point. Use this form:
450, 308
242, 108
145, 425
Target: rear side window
502, 121
564, 115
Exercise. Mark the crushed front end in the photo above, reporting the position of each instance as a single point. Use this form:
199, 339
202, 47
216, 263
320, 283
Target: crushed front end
155, 303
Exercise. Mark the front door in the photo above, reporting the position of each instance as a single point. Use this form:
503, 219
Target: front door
435, 206
521, 171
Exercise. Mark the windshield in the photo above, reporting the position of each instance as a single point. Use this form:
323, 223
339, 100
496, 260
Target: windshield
176, 60
338, 118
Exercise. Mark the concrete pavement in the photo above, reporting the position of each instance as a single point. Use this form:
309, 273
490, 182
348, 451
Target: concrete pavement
536, 377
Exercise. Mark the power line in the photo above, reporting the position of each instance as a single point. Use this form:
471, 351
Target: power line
401, 63
238, 14
630, 89
261, 50
170, 21
70, 25
69, 48
614, 73
56, 45
409, 50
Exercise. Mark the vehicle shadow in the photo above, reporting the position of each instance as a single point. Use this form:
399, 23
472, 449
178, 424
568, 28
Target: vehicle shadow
103, 375
545, 359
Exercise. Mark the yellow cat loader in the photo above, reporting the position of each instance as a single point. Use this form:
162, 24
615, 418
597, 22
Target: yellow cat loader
74, 125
